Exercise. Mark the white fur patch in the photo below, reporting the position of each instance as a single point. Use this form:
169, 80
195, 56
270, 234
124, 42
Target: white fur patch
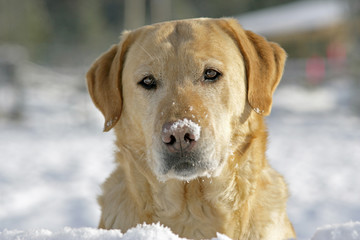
258, 111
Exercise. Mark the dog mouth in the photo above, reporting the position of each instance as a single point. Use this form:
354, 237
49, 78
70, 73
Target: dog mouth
184, 167
181, 162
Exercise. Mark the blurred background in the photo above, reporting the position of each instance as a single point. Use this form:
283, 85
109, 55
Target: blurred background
53, 155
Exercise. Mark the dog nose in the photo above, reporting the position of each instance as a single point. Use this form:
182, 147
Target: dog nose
180, 136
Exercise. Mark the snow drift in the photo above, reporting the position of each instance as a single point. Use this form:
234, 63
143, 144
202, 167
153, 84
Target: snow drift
143, 232
345, 231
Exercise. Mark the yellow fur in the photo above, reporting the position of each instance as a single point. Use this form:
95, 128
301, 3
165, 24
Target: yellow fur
241, 195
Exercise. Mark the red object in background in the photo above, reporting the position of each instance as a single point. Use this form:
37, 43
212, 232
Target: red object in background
336, 54
315, 69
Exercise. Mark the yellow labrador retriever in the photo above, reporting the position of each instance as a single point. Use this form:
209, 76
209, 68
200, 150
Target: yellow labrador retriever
187, 101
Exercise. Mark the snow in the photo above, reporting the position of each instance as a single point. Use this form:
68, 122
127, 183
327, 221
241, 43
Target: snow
53, 160
156, 231
318, 153
179, 124
258, 111
296, 16
302, 100
141, 231
65, 234
345, 231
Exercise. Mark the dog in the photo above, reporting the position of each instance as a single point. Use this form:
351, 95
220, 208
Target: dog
187, 101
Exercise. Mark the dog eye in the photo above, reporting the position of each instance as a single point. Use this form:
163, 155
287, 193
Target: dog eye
211, 75
148, 82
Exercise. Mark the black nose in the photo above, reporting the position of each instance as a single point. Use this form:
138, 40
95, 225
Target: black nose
180, 136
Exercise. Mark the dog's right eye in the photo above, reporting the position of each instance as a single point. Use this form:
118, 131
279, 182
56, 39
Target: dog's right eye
211, 75
148, 82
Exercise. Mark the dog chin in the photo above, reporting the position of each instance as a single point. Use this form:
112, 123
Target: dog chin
183, 175
188, 172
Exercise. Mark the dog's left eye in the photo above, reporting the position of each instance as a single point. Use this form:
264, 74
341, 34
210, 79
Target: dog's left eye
148, 82
211, 75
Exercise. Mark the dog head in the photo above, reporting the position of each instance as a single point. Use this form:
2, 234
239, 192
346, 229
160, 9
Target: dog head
179, 92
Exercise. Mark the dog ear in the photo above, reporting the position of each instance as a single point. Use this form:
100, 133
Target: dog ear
104, 82
264, 63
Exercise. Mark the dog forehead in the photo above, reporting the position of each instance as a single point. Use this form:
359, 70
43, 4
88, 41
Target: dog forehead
203, 37
176, 31
177, 34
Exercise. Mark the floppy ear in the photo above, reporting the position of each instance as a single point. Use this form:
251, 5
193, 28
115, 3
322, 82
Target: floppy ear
104, 82
264, 63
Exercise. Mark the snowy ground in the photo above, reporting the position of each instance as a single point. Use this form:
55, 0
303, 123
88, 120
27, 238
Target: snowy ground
140, 232
53, 160
156, 231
